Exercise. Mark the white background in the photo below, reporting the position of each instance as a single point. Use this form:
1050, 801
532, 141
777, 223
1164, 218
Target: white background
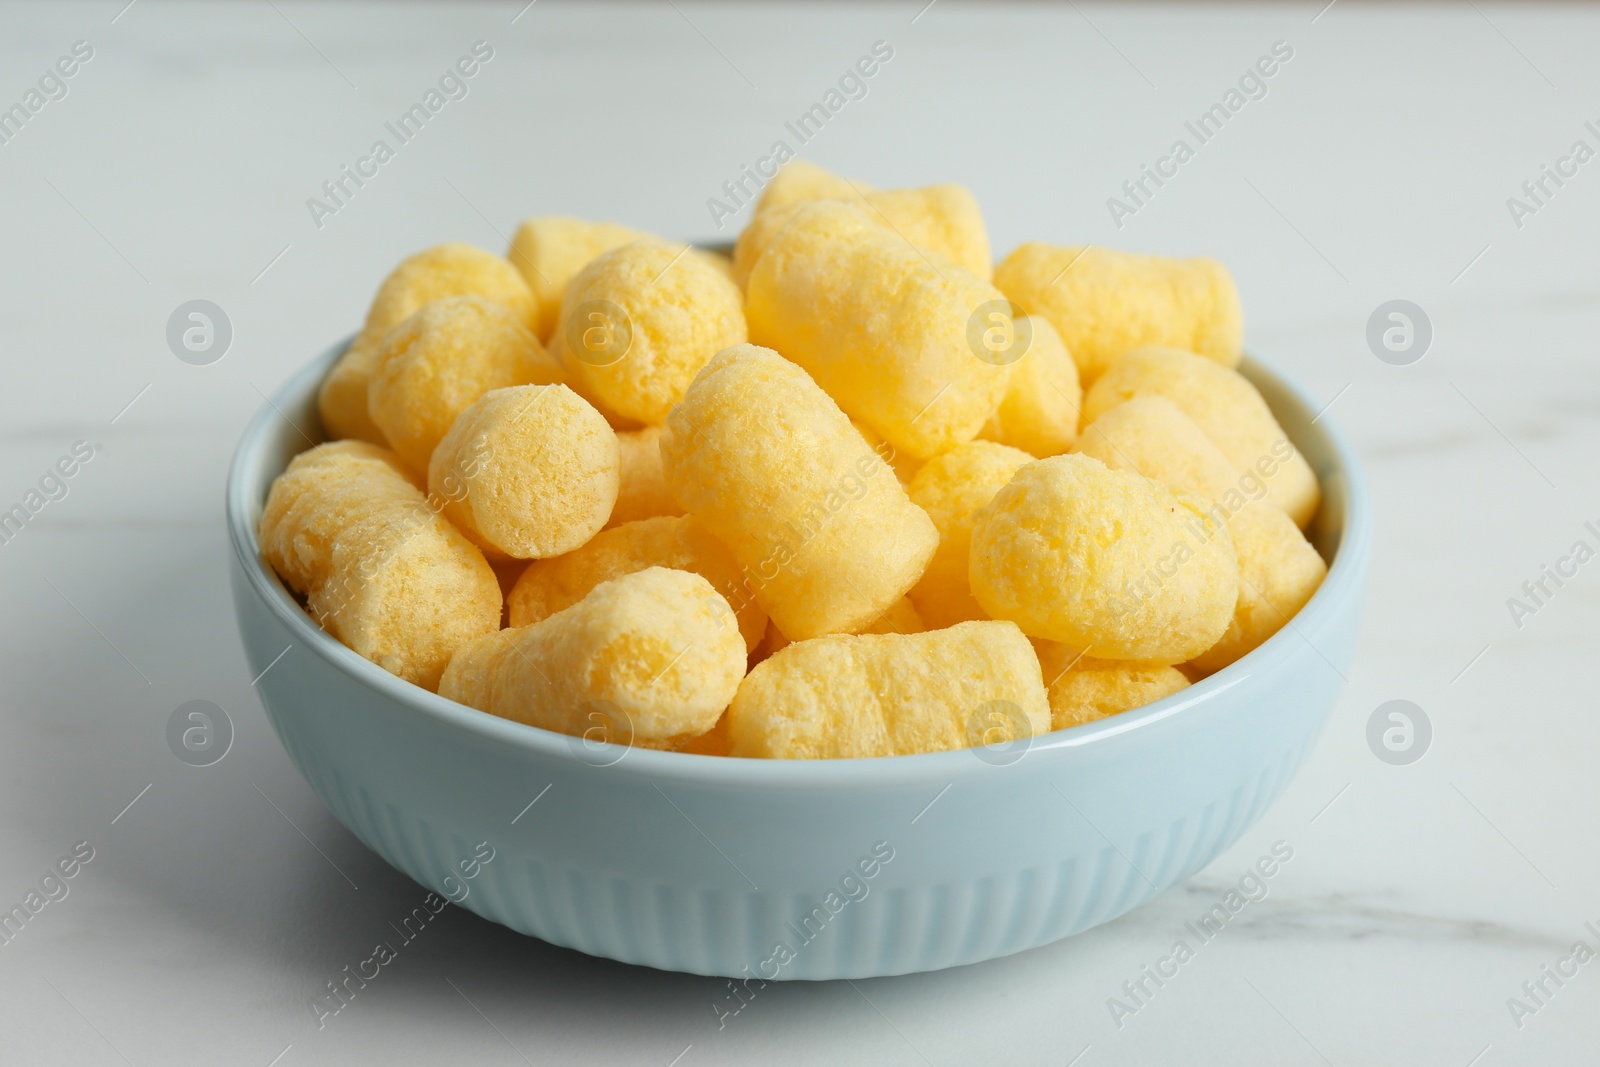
1377, 167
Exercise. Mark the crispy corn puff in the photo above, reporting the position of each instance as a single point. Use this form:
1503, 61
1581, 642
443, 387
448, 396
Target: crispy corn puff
976, 683
642, 491
650, 658
798, 180
447, 354
445, 270
379, 568
1278, 573
1105, 561
772, 467
901, 618
549, 585
1278, 568
1104, 302
528, 471
548, 251
952, 489
1040, 411
1229, 411
884, 329
1150, 435
905, 465
1084, 689
639, 321
943, 219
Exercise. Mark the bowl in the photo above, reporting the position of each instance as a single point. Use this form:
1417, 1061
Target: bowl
773, 869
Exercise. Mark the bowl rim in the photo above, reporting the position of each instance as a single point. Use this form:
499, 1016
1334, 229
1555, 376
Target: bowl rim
1345, 574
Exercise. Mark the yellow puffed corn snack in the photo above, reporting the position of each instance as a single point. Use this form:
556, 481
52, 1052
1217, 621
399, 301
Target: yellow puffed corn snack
905, 466
1104, 302
722, 263
548, 251
772, 467
379, 568
1106, 561
549, 585
939, 218
976, 683
1150, 435
1229, 411
445, 270
763, 228
952, 488
651, 658
639, 321
1278, 573
469, 679
642, 491
528, 471
296, 529
1039, 413
714, 742
1084, 689
886, 329
798, 181
901, 618
1278, 568
447, 354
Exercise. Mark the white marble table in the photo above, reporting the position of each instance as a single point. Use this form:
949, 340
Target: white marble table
1377, 166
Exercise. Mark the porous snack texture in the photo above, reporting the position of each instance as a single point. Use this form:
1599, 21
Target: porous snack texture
1150, 435
549, 585
901, 618
720, 262
1226, 407
1104, 302
975, 683
445, 270
642, 491
942, 219
380, 569
850, 491
650, 658
1106, 561
1084, 689
436, 362
548, 251
640, 321
769, 464
1040, 410
469, 679
880, 325
1278, 573
905, 466
527, 472
952, 488
1278, 568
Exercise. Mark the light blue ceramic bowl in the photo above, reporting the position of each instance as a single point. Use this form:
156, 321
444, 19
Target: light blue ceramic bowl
802, 869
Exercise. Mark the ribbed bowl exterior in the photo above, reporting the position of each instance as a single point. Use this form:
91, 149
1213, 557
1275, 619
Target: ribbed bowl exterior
796, 870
